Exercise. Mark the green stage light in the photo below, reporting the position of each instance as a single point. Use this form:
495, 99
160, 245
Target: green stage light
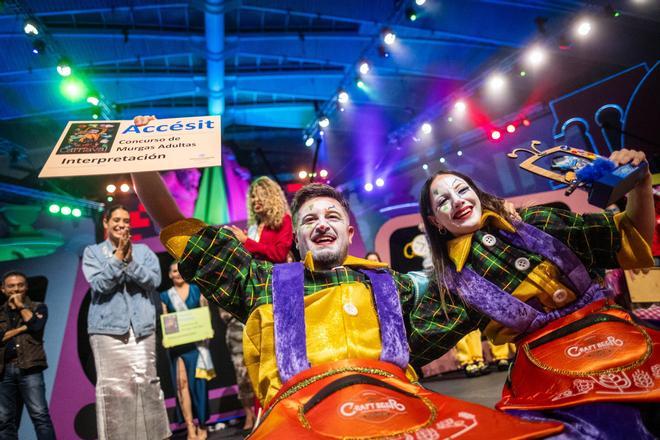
76, 212
64, 68
54, 208
65, 210
73, 88
93, 98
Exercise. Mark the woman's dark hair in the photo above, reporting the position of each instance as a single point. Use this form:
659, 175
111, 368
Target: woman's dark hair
438, 241
107, 213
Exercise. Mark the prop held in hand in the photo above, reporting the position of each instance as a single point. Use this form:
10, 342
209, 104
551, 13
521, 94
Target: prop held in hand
603, 179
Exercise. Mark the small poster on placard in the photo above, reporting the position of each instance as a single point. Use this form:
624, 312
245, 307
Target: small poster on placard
185, 327
115, 147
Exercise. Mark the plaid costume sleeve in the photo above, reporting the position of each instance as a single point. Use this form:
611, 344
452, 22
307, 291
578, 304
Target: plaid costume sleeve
225, 271
431, 330
594, 238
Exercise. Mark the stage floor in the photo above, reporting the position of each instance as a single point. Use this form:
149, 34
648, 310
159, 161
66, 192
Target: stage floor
485, 390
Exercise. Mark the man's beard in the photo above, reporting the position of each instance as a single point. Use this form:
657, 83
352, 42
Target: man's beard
328, 258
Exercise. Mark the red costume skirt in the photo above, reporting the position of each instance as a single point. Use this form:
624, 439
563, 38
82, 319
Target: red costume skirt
366, 399
596, 354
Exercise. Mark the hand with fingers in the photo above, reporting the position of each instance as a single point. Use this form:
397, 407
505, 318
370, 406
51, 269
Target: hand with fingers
238, 233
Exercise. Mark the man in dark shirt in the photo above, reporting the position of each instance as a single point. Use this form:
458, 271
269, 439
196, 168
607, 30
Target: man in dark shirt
22, 359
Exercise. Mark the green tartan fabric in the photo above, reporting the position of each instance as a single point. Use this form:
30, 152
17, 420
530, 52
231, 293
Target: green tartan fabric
228, 275
592, 237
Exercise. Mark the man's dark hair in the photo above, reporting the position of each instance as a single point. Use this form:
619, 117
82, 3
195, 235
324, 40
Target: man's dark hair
312, 191
107, 213
13, 273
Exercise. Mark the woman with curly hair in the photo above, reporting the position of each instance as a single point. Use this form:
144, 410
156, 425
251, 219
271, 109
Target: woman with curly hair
269, 237
270, 231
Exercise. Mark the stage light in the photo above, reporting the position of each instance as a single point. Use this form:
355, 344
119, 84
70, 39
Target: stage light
124, 187
583, 28
535, 56
420, 2
610, 11
302, 174
460, 107
96, 113
526, 122
364, 67
389, 37
321, 133
76, 212
343, 97
523, 73
368, 187
510, 128
411, 14
30, 28
65, 210
459, 153
360, 83
109, 198
496, 83
427, 128
309, 141
425, 166
495, 135
54, 208
323, 173
110, 188
93, 98
383, 52
73, 88
442, 160
38, 47
380, 182
64, 67
324, 122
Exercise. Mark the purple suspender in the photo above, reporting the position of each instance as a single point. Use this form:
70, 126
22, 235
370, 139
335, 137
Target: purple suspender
510, 311
289, 319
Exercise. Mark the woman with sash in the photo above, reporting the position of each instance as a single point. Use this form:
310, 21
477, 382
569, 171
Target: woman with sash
191, 364
581, 359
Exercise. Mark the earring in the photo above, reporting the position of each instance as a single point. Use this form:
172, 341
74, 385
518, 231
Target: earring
442, 231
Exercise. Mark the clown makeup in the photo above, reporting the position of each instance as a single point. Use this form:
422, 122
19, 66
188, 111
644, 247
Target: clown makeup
456, 207
323, 229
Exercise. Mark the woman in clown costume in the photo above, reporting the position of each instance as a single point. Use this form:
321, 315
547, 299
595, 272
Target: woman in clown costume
581, 359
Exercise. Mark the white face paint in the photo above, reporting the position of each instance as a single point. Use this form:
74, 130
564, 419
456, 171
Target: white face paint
323, 228
456, 207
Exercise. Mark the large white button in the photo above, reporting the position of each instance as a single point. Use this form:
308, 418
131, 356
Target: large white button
559, 296
488, 240
350, 309
522, 263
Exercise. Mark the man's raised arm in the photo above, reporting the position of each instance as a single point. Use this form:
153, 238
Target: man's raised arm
155, 197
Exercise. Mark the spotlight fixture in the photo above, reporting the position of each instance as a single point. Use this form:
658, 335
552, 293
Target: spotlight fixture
323, 173
425, 166
380, 182
54, 208
302, 174
109, 198
342, 97
76, 212
459, 153
411, 14
309, 141
443, 160
38, 46
511, 128
383, 52
496, 83
64, 67
420, 2
427, 128
30, 27
583, 28
526, 122
450, 119
388, 36
535, 56
364, 67
73, 88
96, 113
368, 186
324, 122
495, 135
124, 187
523, 73
610, 11
93, 98
460, 106
110, 189
360, 83
65, 210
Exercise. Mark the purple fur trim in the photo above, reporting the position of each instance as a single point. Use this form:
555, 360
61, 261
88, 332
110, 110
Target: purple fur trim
395, 348
534, 240
289, 319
